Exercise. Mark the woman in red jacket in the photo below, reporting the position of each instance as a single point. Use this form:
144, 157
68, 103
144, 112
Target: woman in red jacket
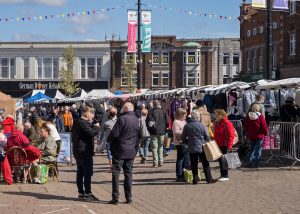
224, 135
256, 129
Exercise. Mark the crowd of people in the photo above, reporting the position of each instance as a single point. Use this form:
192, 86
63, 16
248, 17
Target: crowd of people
123, 132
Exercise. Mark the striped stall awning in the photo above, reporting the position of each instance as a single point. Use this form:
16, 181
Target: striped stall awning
228, 87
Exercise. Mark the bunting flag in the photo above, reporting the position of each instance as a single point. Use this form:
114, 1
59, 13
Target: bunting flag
146, 31
132, 30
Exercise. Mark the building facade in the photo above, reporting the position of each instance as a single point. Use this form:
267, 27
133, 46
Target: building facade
286, 45
176, 63
35, 65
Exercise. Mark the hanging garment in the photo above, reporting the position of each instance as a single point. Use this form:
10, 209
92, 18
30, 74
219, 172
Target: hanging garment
209, 102
232, 98
220, 101
249, 99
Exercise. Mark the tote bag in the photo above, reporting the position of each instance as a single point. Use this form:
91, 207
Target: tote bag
212, 151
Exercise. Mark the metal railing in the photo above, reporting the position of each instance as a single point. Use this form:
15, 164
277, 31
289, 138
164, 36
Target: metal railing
283, 141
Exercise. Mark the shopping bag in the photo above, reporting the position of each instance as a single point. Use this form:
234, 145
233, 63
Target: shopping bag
212, 151
188, 175
233, 160
41, 172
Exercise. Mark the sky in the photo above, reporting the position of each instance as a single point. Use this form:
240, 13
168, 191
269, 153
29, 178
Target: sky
94, 27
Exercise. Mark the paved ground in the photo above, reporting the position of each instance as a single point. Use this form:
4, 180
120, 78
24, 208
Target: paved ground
266, 190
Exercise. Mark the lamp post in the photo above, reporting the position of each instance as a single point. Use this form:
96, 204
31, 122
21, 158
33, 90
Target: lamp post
269, 41
139, 63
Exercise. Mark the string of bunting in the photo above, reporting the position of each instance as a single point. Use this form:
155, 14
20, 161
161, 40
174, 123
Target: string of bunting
64, 15
195, 13
95, 12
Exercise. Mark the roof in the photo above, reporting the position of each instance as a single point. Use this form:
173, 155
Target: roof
191, 44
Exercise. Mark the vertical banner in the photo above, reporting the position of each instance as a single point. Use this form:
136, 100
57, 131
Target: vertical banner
146, 31
259, 3
281, 4
132, 30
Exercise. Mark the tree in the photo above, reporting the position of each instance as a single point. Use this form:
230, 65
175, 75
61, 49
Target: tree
66, 76
129, 68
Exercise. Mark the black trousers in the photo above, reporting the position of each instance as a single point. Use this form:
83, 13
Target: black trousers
194, 157
127, 166
224, 173
84, 174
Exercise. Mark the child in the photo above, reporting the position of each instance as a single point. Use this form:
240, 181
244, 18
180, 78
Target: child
145, 136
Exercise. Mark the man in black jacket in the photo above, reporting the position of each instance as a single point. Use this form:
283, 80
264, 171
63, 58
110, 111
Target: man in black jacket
124, 143
156, 122
83, 151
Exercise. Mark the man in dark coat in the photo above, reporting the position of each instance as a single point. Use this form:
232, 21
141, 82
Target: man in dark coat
124, 143
156, 122
83, 150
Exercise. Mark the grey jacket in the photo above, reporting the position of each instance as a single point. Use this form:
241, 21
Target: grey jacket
144, 133
195, 134
48, 148
106, 129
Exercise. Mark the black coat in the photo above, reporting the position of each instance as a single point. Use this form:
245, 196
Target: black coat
288, 113
160, 119
100, 115
83, 138
124, 136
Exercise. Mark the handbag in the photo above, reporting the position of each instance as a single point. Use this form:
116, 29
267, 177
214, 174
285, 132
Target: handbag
232, 159
212, 151
188, 175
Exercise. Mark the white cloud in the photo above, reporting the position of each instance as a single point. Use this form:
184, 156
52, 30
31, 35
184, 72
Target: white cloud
80, 30
88, 20
20, 37
57, 3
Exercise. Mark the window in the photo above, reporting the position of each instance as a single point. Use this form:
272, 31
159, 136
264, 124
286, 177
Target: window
4, 68
254, 31
189, 57
129, 58
293, 7
191, 79
274, 25
155, 58
261, 29
261, 59
91, 68
236, 59
12, 68
248, 33
248, 61
124, 79
155, 79
225, 59
165, 58
293, 44
47, 68
26, 68
254, 61
165, 79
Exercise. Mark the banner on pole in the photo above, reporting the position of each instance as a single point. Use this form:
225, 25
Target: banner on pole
281, 4
146, 31
259, 3
132, 30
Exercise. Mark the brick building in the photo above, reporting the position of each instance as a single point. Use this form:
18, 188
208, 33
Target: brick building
175, 63
286, 51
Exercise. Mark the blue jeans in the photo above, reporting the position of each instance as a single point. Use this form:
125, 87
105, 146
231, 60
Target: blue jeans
182, 161
108, 150
254, 154
144, 148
